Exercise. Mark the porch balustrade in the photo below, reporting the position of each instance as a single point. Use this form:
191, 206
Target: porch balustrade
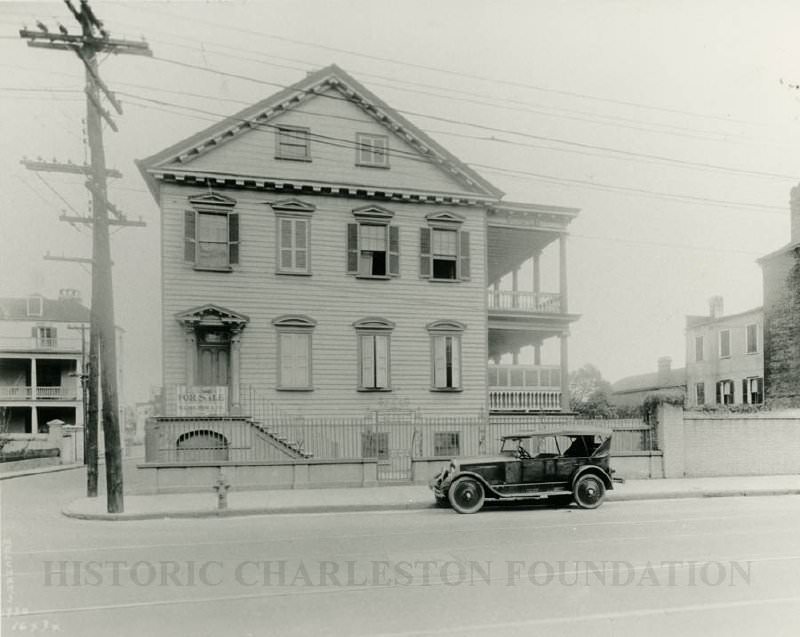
27, 343
509, 300
524, 388
21, 392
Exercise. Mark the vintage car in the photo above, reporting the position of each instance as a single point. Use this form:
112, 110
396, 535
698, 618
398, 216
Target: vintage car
573, 464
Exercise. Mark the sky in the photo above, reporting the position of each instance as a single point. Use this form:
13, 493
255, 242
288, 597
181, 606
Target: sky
673, 126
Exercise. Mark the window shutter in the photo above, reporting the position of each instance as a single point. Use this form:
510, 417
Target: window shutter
745, 393
456, 362
189, 223
425, 257
367, 361
719, 392
439, 362
286, 244
300, 244
352, 248
302, 377
233, 238
394, 251
463, 256
287, 357
381, 361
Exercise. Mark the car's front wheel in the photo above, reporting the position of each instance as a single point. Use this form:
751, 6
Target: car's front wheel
466, 495
589, 491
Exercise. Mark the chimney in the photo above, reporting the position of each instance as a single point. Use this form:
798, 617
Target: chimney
715, 307
664, 369
69, 294
794, 207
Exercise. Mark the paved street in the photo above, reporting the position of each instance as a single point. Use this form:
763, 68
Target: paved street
719, 566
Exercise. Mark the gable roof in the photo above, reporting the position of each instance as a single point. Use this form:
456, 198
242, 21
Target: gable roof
330, 77
650, 382
68, 310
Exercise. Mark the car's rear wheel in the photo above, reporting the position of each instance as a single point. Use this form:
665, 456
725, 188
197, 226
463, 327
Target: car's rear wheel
589, 491
466, 495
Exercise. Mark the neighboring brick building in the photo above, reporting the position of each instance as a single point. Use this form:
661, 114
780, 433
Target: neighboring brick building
781, 272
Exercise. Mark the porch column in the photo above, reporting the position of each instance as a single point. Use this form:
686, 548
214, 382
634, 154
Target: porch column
562, 270
34, 381
564, 374
515, 288
537, 354
515, 357
34, 420
190, 343
537, 273
236, 347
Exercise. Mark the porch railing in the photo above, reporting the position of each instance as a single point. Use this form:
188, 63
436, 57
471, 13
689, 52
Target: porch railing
22, 392
524, 399
508, 300
26, 343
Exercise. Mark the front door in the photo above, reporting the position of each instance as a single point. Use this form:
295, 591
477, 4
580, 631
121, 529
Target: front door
213, 357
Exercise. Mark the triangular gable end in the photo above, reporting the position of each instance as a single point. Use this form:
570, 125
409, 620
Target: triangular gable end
331, 77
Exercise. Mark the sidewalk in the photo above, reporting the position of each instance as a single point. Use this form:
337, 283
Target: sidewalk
8, 475
397, 498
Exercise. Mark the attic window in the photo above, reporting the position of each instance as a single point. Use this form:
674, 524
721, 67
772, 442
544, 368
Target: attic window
292, 142
35, 306
372, 150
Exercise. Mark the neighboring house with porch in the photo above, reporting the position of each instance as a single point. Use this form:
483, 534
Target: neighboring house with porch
324, 257
41, 351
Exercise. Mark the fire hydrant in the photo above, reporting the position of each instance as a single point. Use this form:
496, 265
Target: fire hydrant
221, 487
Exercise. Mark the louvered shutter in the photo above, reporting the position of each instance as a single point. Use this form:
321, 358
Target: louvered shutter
394, 251
286, 246
189, 231
425, 257
287, 360
368, 361
233, 238
464, 256
381, 361
719, 392
301, 376
745, 393
352, 248
439, 362
456, 360
300, 244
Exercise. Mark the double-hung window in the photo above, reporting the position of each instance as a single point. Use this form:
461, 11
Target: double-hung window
445, 355
293, 142
753, 390
700, 394
725, 395
211, 233
293, 234
725, 344
751, 338
373, 244
444, 248
374, 354
35, 306
698, 348
294, 352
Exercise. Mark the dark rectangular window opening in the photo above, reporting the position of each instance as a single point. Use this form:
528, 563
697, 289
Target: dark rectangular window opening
444, 269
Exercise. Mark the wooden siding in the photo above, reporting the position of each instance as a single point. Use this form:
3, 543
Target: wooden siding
335, 300
333, 123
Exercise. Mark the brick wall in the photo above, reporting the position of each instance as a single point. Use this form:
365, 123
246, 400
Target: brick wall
782, 329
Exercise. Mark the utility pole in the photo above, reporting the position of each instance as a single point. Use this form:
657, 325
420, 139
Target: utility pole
95, 39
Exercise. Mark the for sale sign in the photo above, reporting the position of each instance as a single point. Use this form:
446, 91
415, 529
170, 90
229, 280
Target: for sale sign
208, 400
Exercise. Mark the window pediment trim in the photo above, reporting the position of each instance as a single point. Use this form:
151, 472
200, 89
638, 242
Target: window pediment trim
212, 200
444, 218
294, 321
212, 315
446, 326
375, 214
292, 205
374, 323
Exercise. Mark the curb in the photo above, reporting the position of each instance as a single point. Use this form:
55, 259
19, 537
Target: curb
405, 506
41, 470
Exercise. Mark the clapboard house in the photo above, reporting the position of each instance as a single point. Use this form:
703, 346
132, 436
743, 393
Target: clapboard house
323, 255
